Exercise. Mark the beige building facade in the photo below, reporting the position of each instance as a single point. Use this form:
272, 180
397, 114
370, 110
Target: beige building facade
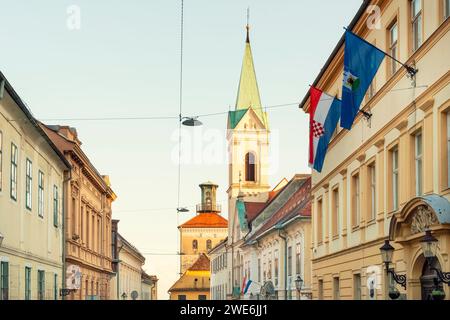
32, 173
88, 199
388, 177
128, 278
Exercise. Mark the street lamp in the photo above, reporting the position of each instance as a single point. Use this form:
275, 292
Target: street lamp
387, 251
429, 247
182, 209
1, 239
191, 121
298, 285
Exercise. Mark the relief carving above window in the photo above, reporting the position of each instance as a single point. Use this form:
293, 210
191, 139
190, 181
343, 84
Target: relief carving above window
422, 219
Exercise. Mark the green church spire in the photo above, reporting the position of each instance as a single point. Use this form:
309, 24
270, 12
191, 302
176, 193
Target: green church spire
248, 92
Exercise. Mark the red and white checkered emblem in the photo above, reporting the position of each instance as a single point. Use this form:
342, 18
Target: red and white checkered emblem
317, 129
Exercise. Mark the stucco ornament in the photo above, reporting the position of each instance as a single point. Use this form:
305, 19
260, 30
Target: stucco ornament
422, 219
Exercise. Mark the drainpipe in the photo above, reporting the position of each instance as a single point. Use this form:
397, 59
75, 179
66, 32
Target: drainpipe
283, 236
117, 260
63, 227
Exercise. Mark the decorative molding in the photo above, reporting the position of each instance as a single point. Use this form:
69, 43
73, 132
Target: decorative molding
361, 157
343, 172
422, 219
402, 125
380, 143
427, 105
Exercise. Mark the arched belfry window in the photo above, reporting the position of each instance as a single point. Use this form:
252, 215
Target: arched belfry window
250, 167
195, 244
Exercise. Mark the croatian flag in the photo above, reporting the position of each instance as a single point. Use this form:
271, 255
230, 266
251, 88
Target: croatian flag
247, 286
324, 115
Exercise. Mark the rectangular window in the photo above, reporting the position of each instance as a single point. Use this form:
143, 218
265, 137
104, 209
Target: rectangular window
289, 261
418, 163
201, 297
28, 184
41, 194
357, 287
298, 269
416, 23
448, 148
13, 176
1, 158
393, 38
259, 270
55, 206
356, 216
181, 297
55, 287
275, 262
27, 283
264, 272
41, 285
319, 221
320, 289
446, 9
395, 180
335, 212
372, 191
336, 291
371, 90
4, 280
269, 271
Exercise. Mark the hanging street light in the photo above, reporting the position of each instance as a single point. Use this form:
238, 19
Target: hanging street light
191, 121
182, 209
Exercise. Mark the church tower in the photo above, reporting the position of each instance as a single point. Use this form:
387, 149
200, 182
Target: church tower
248, 142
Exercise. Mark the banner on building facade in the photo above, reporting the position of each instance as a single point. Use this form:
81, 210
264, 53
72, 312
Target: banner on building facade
73, 277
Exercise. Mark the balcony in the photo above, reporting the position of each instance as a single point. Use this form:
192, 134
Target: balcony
208, 207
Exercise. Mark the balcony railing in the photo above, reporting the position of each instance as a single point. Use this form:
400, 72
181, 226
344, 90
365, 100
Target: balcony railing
209, 207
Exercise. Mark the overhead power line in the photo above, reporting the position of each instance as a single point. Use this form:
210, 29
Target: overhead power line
120, 118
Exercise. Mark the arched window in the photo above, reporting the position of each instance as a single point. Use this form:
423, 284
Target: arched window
208, 244
194, 244
250, 167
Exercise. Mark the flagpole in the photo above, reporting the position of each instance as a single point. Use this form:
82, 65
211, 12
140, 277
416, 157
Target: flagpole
411, 70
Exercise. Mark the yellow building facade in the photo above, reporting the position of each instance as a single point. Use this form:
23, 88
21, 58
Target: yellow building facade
388, 177
32, 172
194, 283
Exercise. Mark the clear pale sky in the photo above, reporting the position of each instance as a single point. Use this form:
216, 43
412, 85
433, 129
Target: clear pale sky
124, 61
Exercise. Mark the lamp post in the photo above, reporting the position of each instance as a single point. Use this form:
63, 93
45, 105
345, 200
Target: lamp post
387, 251
429, 247
298, 285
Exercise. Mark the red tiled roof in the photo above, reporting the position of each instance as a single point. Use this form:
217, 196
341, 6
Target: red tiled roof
202, 264
205, 220
299, 204
253, 209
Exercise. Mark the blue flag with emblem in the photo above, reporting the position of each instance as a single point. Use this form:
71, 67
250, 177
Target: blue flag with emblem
361, 63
